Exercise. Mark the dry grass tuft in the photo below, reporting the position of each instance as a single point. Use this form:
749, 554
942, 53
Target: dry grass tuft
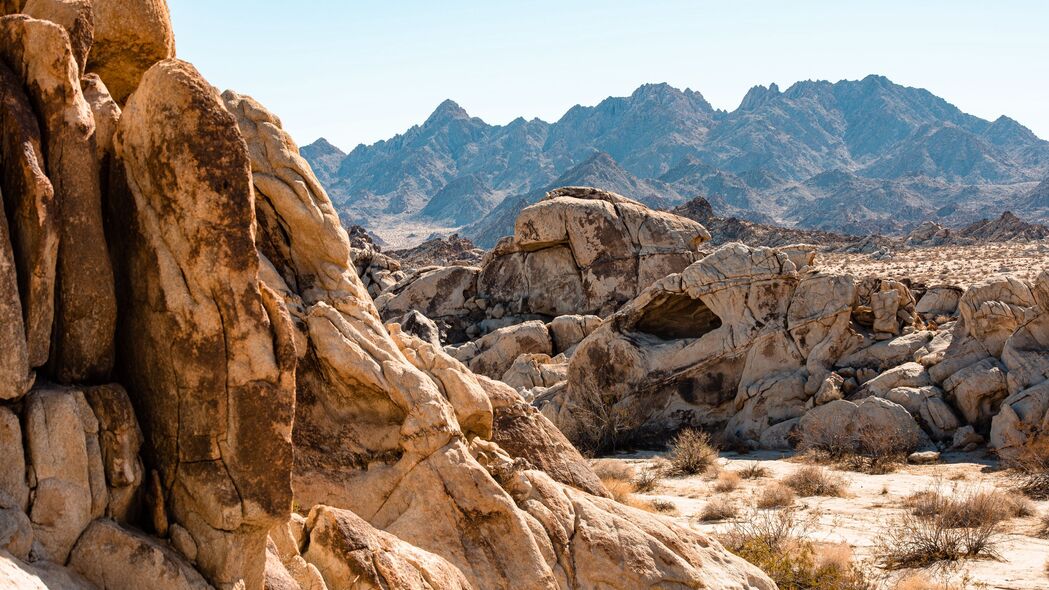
691, 453
754, 470
815, 481
727, 481
776, 496
719, 509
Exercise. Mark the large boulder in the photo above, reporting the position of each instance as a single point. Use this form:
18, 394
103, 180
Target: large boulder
62, 439
351, 554
129, 37
209, 354
493, 354
582, 250
115, 558
873, 422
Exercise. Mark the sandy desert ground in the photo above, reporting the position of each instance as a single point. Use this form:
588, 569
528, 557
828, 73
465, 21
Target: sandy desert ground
865, 513
955, 265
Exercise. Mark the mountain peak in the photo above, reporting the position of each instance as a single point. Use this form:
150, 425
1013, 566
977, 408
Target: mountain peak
446, 111
323, 146
758, 95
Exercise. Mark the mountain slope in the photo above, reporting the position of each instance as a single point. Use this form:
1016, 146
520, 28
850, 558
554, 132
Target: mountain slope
866, 155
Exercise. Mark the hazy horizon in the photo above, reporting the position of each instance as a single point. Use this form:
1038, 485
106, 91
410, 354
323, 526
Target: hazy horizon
359, 74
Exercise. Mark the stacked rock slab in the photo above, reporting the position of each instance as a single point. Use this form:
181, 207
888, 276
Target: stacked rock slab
578, 251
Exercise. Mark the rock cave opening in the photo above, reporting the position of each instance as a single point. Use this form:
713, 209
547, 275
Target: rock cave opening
676, 316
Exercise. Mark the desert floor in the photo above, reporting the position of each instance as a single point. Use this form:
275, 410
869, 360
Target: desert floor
870, 505
953, 265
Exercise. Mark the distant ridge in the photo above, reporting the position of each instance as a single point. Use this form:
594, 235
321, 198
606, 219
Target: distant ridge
853, 156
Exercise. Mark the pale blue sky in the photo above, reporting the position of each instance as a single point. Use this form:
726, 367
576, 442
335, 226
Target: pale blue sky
362, 71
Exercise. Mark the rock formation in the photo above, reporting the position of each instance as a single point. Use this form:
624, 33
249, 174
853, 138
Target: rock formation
198, 391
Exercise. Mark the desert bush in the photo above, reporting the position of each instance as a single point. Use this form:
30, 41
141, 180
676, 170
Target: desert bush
939, 528
599, 426
776, 496
727, 481
719, 509
872, 450
1030, 467
754, 470
1043, 526
691, 452
815, 481
773, 540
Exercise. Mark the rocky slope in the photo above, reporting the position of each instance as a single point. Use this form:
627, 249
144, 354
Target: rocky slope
196, 389
863, 156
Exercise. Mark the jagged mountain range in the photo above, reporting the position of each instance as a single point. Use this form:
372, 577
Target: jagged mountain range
851, 156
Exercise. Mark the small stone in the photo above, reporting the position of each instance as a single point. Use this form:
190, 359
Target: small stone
924, 458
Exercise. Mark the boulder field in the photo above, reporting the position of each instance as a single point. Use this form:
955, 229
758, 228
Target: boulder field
198, 391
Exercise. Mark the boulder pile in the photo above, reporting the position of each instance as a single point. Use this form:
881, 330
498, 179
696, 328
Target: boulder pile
579, 251
197, 390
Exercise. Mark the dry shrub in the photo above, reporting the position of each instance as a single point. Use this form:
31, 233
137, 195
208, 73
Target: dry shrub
1043, 526
940, 528
601, 427
617, 477
691, 452
727, 481
815, 481
754, 470
873, 450
776, 496
719, 509
1030, 467
646, 481
773, 540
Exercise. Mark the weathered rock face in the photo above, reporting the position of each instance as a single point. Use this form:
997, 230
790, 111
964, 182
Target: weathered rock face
202, 340
29, 202
129, 37
39, 53
240, 308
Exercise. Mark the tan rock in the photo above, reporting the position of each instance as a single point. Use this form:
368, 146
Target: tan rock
16, 532
115, 558
978, 391
846, 423
15, 376
106, 113
59, 458
939, 300
121, 440
352, 554
535, 370
494, 353
14, 491
29, 200
40, 575
130, 36
218, 357
76, 16
39, 51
